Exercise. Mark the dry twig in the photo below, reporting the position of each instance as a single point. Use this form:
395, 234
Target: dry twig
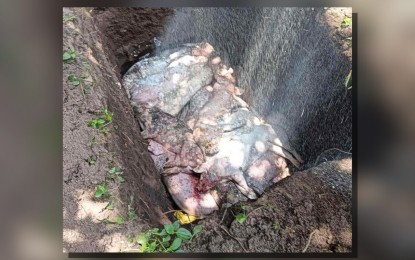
309, 240
237, 239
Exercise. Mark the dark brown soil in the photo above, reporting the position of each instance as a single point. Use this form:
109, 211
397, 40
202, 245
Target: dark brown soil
313, 205
129, 31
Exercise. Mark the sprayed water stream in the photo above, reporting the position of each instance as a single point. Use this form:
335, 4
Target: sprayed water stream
287, 62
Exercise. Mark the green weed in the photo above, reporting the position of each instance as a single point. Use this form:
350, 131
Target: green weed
97, 123
110, 205
269, 205
115, 174
90, 160
102, 120
119, 220
346, 22
101, 191
275, 226
241, 216
69, 56
75, 81
108, 115
169, 239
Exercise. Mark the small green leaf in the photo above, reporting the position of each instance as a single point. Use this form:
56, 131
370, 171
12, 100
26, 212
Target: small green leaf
152, 246
179, 251
72, 53
143, 247
166, 244
197, 229
98, 193
162, 233
141, 238
176, 225
90, 161
66, 56
166, 238
346, 21
269, 205
119, 220
101, 190
108, 117
110, 205
240, 217
176, 244
87, 90
75, 82
275, 226
169, 228
120, 179
183, 234
112, 170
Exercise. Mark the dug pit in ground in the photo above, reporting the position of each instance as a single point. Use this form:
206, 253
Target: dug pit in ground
200, 133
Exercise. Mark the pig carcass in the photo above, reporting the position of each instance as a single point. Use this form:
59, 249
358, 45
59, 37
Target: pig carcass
204, 139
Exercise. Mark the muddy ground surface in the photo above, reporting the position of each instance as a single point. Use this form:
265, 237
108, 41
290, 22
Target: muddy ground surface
311, 210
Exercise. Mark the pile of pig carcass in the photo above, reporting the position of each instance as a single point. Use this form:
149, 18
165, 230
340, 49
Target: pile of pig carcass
209, 145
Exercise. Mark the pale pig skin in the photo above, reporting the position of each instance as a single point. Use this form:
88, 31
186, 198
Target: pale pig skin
200, 132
